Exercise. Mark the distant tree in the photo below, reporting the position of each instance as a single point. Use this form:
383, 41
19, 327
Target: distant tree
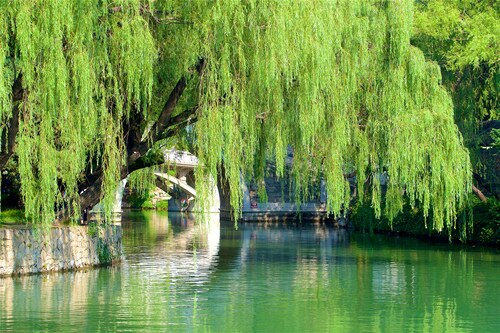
337, 81
463, 36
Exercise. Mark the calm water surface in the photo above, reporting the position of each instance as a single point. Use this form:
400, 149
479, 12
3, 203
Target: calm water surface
179, 276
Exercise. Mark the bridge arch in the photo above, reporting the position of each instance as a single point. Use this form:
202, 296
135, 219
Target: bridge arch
177, 179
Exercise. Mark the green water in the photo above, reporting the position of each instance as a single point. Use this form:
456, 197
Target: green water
178, 276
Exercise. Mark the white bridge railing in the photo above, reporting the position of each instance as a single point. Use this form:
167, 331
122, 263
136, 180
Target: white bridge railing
180, 158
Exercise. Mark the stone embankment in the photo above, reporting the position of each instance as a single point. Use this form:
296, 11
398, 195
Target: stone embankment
26, 251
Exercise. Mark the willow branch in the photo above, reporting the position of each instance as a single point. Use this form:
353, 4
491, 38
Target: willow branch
479, 194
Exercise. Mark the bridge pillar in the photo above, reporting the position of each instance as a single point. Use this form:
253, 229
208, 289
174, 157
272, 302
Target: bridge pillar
182, 174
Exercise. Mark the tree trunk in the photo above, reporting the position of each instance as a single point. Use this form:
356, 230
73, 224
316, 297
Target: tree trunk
9, 146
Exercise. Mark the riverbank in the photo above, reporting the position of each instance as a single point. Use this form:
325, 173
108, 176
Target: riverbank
27, 250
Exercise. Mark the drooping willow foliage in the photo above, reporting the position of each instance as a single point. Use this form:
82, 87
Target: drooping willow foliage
83, 70
335, 81
338, 82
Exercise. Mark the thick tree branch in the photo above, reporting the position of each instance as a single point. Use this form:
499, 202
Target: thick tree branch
92, 194
152, 158
479, 194
139, 152
132, 132
181, 120
168, 109
164, 120
188, 115
137, 149
90, 188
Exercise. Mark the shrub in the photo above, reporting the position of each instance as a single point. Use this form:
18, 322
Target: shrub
162, 205
140, 202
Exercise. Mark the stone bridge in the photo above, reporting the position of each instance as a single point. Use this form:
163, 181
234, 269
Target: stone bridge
181, 183
177, 179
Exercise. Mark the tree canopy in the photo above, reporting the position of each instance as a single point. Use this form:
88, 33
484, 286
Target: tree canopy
336, 81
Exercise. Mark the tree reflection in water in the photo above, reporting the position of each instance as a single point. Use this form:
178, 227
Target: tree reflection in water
182, 275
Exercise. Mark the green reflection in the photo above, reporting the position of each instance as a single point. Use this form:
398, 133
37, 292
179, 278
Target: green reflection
183, 276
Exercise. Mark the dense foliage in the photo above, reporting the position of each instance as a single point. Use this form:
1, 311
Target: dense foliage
337, 81
463, 36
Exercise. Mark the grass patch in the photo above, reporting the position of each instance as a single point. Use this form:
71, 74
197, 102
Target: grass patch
12, 217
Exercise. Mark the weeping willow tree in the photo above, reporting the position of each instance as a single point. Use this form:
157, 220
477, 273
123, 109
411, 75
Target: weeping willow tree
335, 81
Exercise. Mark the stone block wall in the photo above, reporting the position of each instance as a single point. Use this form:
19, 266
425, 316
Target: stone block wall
24, 250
